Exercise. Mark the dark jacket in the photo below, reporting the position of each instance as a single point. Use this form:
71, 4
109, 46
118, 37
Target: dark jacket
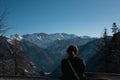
77, 63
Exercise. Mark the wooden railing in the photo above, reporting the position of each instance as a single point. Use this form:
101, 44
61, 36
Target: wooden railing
25, 78
89, 76
102, 76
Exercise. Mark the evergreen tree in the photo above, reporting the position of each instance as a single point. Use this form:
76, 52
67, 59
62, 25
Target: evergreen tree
105, 49
105, 36
114, 28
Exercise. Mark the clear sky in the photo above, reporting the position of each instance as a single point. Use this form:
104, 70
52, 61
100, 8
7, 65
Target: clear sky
80, 17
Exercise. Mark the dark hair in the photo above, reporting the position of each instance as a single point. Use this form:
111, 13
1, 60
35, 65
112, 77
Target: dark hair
72, 48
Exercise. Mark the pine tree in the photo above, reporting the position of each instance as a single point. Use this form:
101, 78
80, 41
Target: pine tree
114, 28
105, 36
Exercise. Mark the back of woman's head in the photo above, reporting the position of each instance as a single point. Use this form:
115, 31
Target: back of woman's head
72, 49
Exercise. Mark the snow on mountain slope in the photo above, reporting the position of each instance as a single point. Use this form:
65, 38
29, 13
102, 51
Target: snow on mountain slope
44, 40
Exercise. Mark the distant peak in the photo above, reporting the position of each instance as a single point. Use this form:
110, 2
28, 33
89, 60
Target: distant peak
16, 36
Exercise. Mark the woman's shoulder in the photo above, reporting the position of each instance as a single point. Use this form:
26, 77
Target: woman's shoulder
78, 58
64, 60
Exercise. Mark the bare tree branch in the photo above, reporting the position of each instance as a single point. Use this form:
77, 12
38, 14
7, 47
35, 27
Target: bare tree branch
3, 27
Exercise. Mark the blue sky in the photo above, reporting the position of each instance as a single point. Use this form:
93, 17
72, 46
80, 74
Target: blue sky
80, 17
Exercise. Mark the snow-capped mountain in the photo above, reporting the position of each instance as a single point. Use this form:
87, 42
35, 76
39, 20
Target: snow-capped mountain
48, 49
44, 40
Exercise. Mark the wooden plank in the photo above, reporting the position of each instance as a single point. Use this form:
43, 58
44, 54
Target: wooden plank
90, 76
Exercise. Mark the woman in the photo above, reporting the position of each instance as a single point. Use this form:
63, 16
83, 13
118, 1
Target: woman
73, 67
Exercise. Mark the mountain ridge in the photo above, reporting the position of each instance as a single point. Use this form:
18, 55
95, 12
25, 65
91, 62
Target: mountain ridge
45, 40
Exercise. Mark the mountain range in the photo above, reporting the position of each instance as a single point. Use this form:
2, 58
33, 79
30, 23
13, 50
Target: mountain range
45, 40
48, 49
